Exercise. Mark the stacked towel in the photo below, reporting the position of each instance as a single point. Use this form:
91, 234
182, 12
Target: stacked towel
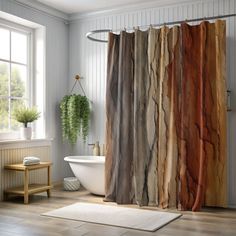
31, 161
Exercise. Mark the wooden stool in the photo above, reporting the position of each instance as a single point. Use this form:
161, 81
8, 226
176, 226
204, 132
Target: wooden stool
28, 189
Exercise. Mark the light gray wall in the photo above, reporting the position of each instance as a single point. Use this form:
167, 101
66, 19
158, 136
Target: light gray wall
57, 57
89, 59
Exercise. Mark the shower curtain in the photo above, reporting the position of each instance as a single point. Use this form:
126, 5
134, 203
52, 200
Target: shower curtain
166, 117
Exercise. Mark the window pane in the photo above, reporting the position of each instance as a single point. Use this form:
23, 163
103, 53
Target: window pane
4, 44
4, 121
19, 47
4, 78
18, 80
16, 103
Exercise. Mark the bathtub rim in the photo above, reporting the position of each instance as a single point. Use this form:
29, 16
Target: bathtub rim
85, 159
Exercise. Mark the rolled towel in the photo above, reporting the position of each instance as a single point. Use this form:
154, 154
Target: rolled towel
31, 161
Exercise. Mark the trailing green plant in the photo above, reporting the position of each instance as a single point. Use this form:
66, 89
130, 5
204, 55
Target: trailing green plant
73, 118
75, 115
84, 116
64, 117
26, 115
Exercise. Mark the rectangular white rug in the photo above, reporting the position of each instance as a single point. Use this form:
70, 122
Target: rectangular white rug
140, 219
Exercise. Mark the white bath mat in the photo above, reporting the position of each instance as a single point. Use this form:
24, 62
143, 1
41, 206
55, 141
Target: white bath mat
116, 216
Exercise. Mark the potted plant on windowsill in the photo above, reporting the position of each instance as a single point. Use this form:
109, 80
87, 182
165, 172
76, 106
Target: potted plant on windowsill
26, 115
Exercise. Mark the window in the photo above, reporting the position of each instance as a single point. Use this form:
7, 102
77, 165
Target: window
15, 76
22, 73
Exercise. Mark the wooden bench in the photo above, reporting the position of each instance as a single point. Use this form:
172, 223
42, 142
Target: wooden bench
28, 189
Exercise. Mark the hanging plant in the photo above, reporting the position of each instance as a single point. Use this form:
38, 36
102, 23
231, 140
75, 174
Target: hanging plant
75, 115
64, 117
84, 112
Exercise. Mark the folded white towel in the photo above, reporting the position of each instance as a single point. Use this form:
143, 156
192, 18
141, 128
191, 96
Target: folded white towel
31, 160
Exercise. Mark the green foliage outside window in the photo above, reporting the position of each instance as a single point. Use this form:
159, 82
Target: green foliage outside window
17, 90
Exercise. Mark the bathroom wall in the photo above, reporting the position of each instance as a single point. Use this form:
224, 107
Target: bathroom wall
89, 58
57, 58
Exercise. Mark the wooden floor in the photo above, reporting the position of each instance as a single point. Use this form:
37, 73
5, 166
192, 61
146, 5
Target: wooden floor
25, 220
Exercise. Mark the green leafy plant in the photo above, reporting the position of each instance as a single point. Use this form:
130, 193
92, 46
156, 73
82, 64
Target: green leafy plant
75, 115
64, 117
84, 112
26, 115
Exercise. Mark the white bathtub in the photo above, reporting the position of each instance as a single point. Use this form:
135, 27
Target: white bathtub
90, 170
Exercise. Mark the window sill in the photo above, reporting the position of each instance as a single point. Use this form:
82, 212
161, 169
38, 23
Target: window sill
20, 143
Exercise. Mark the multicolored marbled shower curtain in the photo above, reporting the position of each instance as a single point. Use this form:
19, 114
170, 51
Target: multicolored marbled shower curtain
166, 117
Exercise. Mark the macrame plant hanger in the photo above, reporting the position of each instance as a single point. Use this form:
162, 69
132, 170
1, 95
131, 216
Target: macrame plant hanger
77, 80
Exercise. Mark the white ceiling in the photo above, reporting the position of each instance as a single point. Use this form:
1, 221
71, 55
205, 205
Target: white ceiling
82, 6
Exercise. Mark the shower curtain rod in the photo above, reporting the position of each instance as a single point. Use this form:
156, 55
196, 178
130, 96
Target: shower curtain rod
90, 33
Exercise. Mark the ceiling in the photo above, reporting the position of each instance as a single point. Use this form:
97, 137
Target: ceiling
82, 6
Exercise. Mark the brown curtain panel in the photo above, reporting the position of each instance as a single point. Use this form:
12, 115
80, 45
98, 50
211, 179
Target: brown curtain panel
166, 117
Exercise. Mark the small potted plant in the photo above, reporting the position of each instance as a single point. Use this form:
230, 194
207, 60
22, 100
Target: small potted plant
26, 115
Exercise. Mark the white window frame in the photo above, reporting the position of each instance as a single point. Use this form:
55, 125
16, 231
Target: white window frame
14, 27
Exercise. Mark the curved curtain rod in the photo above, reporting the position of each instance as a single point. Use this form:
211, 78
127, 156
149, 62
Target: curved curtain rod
90, 33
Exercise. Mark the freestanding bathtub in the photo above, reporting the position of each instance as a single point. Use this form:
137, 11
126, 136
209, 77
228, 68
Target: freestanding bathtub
90, 170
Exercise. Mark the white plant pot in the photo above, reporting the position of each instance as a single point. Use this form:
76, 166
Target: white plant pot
26, 133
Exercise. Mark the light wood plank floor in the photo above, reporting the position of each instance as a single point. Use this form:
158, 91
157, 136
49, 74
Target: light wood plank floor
25, 220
